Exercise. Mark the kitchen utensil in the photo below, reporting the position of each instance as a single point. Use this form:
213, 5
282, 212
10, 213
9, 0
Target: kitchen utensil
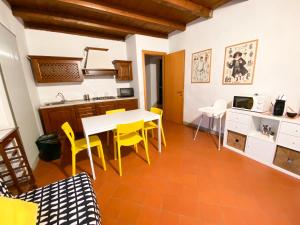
291, 114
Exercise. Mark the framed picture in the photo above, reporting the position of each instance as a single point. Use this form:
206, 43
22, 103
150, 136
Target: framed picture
201, 66
239, 63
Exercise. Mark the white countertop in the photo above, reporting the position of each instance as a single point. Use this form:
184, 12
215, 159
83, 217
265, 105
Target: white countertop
267, 115
80, 102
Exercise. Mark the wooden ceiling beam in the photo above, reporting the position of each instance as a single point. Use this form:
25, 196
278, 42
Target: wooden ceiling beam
68, 30
187, 6
110, 10
219, 3
33, 16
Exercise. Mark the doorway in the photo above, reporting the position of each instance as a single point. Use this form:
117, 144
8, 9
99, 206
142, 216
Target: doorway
154, 85
164, 83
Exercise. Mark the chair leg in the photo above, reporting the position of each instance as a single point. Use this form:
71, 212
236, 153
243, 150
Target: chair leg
136, 148
163, 136
107, 138
200, 120
119, 156
152, 133
73, 164
220, 129
146, 149
115, 149
146, 138
101, 156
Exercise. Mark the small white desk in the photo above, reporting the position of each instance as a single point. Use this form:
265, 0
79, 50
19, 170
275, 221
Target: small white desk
98, 124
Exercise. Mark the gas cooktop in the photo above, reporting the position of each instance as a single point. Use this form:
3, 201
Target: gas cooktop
104, 97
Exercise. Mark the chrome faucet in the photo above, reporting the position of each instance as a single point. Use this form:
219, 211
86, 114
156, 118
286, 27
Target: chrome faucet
59, 94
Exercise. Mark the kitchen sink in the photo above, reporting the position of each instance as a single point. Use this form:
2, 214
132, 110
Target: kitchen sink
63, 102
54, 103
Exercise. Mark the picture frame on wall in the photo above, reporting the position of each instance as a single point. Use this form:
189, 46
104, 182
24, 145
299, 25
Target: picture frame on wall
201, 66
239, 63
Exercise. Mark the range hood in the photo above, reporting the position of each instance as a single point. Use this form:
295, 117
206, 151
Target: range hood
97, 62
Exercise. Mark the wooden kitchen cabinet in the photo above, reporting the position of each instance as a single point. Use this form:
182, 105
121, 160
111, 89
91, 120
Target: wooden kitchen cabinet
129, 104
124, 69
81, 111
51, 69
53, 118
102, 107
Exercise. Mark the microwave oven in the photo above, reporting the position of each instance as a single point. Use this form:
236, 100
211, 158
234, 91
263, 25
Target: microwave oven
255, 103
125, 92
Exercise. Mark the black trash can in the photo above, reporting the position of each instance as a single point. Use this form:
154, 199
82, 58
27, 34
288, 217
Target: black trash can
49, 147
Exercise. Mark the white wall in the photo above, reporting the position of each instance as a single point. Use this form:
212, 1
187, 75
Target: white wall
274, 22
23, 104
6, 118
60, 44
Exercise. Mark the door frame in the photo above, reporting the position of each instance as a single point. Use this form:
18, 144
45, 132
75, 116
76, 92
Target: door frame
153, 53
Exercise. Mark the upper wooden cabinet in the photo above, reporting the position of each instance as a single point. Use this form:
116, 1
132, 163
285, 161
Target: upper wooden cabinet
124, 69
50, 69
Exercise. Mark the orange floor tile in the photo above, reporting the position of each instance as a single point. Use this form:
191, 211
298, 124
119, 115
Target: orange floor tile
189, 183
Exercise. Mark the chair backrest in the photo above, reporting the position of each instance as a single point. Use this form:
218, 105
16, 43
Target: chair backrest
157, 111
130, 127
69, 132
114, 111
220, 105
3, 190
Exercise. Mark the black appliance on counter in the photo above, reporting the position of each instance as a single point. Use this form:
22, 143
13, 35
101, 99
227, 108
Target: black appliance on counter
125, 92
279, 107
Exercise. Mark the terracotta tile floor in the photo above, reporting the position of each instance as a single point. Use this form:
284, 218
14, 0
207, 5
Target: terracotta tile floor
189, 183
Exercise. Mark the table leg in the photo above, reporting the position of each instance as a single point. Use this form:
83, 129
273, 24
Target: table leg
159, 134
90, 155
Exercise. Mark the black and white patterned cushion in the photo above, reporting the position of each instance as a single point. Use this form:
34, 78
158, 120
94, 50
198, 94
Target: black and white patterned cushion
3, 190
66, 202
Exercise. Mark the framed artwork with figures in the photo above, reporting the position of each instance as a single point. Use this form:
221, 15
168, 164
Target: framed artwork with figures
201, 66
239, 63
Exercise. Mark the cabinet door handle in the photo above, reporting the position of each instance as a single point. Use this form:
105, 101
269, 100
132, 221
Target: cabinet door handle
237, 140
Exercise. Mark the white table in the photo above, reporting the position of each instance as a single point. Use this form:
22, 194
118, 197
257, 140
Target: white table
98, 124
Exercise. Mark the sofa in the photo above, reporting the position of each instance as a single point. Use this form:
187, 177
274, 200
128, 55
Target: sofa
66, 202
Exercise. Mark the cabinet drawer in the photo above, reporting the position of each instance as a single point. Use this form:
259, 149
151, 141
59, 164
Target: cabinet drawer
260, 149
236, 140
287, 159
238, 117
289, 141
290, 128
237, 127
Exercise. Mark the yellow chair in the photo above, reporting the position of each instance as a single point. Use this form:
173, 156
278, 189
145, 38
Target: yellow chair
114, 131
151, 125
79, 145
130, 134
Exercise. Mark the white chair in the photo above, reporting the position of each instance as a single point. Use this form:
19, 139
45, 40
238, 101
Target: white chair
217, 111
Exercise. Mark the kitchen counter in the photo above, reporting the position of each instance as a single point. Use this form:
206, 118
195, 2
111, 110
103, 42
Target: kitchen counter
80, 102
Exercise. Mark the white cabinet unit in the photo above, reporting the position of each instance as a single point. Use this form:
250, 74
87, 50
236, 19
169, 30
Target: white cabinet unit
271, 150
261, 150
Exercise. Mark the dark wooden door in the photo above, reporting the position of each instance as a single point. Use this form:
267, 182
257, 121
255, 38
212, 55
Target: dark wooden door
53, 118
